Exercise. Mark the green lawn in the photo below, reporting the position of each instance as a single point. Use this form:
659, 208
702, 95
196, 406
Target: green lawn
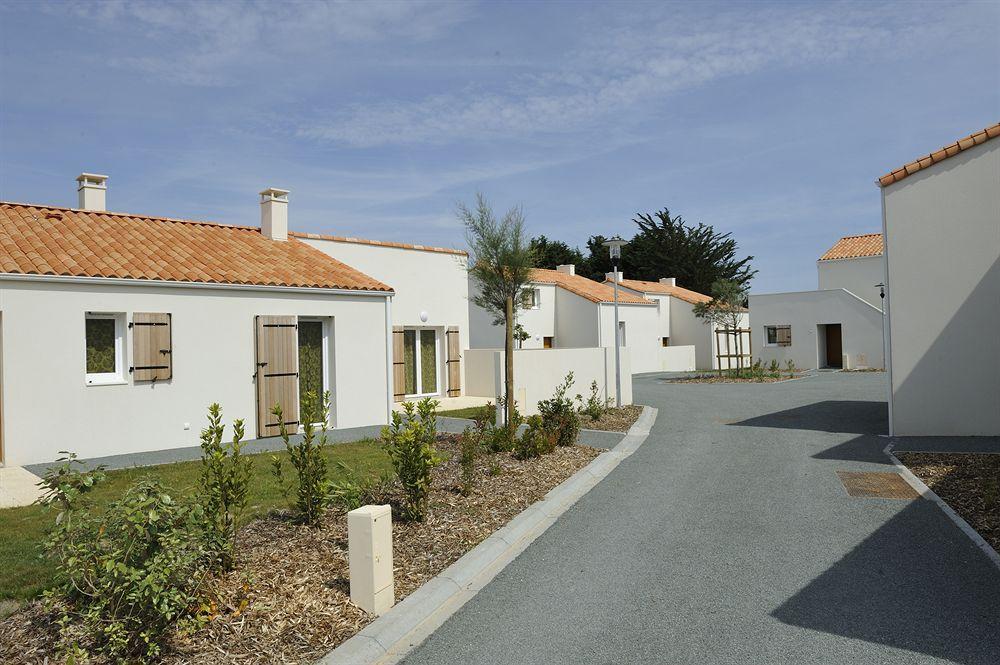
23, 574
469, 412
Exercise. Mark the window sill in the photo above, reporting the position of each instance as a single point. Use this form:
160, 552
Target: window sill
114, 380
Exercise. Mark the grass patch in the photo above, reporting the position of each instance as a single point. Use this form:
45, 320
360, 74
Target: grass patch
24, 575
470, 412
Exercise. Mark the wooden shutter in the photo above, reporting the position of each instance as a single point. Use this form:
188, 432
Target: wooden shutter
151, 347
454, 362
277, 343
784, 336
398, 372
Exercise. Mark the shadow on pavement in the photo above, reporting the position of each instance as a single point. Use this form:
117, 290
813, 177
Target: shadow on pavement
917, 583
865, 448
847, 416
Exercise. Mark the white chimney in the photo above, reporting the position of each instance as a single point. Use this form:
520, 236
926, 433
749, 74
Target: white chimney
92, 189
610, 276
668, 281
567, 268
274, 213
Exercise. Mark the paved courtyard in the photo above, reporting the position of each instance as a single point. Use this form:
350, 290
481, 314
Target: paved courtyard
728, 538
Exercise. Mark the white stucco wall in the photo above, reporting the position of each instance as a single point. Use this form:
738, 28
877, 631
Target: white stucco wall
539, 322
860, 327
687, 329
942, 230
859, 276
576, 321
47, 407
537, 372
642, 334
425, 282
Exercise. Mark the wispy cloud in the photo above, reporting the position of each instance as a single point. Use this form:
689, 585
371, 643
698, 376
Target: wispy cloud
623, 69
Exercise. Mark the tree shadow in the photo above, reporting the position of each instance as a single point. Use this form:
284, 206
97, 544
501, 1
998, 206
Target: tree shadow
839, 416
917, 583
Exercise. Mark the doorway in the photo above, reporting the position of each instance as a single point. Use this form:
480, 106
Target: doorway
832, 347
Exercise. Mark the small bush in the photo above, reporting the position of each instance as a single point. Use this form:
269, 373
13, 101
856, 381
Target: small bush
128, 576
499, 438
409, 441
66, 485
593, 406
774, 367
537, 440
306, 457
559, 415
470, 444
790, 368
225, 485
355, 490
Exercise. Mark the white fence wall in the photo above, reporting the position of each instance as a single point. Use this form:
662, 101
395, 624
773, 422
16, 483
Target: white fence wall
537, 372
677, 358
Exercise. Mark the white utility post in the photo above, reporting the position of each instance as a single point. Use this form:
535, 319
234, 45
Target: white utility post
369, 545
614, 246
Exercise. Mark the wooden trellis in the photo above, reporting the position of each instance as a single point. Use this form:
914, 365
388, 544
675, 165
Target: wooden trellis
734, 348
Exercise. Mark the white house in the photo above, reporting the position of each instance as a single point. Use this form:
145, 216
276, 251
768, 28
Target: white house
430, 309
941, 222
679, 328
566, 310
118, 330
837, 326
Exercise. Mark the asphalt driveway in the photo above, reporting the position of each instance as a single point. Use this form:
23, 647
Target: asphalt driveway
728, 538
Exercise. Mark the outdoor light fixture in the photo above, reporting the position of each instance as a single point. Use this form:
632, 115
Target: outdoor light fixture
614, 246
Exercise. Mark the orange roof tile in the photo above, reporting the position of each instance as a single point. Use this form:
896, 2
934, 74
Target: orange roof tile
853, 247
379, 243
958, 146
44, 240
658, 288
586, 288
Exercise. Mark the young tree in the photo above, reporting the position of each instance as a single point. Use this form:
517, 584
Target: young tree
552, 253
500, 263
725, 310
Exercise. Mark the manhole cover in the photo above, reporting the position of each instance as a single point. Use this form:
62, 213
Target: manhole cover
876, 485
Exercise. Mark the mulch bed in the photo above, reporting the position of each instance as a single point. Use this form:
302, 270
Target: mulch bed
288, 599
614, 419
968, 482
715, 378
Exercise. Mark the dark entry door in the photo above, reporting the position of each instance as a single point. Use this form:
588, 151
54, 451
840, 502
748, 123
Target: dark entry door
834, 346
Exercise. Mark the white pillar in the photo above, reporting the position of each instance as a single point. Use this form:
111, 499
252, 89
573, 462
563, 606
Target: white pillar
369, 543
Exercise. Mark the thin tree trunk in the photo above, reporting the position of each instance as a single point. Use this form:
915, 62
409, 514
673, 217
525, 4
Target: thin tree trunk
509, 363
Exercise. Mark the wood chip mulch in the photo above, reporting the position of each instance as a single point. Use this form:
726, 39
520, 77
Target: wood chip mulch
288, 600
968, 482
715, 378
614, 419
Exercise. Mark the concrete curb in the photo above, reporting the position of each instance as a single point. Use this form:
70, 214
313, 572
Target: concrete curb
929, 494
394, 634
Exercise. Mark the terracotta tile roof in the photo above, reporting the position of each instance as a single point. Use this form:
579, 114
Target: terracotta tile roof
958, 146
379, 243
681, 293
853, 247
586, 288
43, 240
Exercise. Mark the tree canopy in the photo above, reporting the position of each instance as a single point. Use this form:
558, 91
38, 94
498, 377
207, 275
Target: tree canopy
552, 253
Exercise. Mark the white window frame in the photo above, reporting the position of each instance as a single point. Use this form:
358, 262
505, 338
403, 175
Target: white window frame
622, 338
326, 364
536, 298
117, 377
416, 361
775, 327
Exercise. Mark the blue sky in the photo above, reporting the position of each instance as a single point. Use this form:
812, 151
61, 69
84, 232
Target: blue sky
767, 120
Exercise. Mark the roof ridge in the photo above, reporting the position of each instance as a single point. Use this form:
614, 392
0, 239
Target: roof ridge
950, 150
152, 218
378, 243
861, 235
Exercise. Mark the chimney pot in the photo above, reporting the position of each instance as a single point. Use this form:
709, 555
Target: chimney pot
274, 213
669, 281
610, 276
91, 189
567, 268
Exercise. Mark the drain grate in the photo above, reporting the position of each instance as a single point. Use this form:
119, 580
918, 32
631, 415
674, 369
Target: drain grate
876, 485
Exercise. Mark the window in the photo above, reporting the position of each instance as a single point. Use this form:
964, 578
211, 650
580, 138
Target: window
777, 335
312, 364
420, 361
105, 348
531, 298
547, 342
665, 341
621, 333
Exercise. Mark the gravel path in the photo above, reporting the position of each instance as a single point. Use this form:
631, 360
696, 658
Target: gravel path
728, 538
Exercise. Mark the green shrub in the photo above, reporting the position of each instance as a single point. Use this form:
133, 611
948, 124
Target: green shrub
499, 438
469, 445
790, 368
409, 441
66, 485
225, 484
774, 368
356, 490
312, 492
537, 440
559, 415
128, 576
594, 406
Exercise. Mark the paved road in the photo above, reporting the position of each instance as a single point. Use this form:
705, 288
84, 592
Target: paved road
728, 538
